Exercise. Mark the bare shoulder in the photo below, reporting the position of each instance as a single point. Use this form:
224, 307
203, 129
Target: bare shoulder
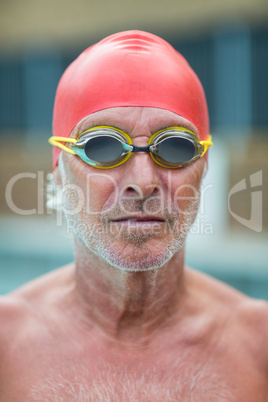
246, 318
25, 303
230, 299
26, 316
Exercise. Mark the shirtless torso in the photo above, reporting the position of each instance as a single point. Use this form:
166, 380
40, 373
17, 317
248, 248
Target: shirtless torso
50, 352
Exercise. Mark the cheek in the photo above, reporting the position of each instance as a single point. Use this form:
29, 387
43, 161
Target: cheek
101, 191
185, 185
96, 187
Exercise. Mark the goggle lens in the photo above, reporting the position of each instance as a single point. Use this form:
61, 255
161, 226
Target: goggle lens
104, 149
176, 150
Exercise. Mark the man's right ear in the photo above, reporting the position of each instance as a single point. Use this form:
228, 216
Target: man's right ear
57, 176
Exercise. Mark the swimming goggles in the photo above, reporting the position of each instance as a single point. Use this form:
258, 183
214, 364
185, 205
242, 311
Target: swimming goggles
106, 147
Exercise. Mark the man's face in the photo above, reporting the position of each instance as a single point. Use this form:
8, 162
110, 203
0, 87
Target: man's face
135, 216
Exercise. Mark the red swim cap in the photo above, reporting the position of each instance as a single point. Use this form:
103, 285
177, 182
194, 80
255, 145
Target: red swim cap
131, 68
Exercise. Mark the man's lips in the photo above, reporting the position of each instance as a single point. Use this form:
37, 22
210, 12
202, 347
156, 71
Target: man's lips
138, 219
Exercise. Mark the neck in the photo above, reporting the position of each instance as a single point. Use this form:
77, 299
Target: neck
125, 305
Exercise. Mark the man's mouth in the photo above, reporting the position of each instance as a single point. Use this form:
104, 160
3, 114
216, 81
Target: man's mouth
139, 219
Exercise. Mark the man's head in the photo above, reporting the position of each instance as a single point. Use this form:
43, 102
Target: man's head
134, 216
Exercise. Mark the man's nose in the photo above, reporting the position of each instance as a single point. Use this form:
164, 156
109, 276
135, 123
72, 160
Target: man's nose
141, 178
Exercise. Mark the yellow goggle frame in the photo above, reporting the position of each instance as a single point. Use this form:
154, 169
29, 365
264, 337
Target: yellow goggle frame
157, 142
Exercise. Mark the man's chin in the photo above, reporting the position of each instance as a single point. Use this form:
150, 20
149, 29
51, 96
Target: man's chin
138, 255
135, 250
137, 264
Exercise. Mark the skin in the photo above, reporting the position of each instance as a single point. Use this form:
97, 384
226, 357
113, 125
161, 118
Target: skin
127, 319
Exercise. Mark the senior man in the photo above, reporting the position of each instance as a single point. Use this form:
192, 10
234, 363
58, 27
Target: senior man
127, 321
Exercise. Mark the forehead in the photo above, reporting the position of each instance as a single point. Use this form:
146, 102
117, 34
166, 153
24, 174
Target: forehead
134, 120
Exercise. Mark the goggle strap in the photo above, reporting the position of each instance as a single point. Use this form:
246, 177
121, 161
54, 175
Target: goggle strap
206, 144
55, 142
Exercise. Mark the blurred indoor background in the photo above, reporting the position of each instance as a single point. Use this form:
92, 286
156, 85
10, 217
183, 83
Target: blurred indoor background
227, 45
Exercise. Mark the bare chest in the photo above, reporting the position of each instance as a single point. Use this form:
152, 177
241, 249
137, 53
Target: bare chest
75, 371
111, 385
175, 380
